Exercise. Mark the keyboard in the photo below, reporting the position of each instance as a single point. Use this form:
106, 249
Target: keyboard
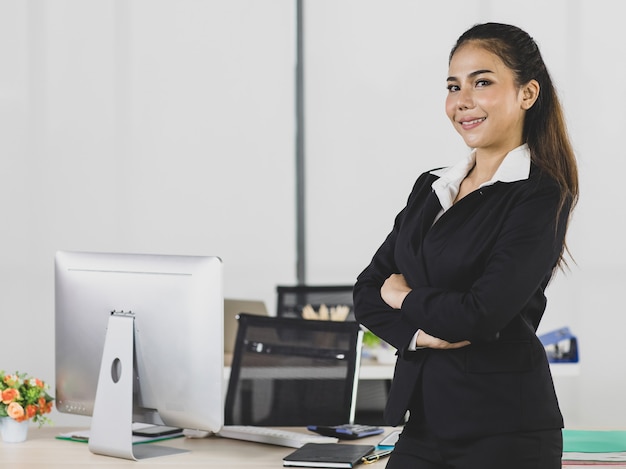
272, 436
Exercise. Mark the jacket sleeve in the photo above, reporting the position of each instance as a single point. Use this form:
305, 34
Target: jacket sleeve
389, 324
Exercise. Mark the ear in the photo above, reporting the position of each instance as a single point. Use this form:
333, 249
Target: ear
530, 93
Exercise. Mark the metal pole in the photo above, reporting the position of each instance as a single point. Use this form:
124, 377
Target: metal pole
300, 160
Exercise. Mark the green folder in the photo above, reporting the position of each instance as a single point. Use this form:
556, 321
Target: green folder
592, 441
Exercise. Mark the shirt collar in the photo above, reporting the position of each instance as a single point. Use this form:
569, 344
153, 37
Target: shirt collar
514, 167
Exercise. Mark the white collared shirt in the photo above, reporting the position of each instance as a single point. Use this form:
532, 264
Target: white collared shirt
514, 167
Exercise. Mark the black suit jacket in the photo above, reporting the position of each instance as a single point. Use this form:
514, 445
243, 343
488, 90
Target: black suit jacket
477, 274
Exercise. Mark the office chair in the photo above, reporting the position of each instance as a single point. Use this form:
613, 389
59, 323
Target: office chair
291, 300
293, 372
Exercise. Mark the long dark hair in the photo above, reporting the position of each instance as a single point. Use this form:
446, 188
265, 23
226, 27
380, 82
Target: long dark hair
545, 131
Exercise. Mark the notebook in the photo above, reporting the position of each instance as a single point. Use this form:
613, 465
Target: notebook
327, 455
232, 308
594, 447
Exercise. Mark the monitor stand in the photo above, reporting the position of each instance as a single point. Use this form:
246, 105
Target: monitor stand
111, 425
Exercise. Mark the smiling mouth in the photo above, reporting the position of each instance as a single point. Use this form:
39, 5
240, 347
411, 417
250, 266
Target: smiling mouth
473, 122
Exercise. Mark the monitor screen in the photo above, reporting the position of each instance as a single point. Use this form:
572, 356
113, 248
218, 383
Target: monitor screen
177, 304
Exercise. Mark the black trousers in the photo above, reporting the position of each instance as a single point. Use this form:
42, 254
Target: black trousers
521, 450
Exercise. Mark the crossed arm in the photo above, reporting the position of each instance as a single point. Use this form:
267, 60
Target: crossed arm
393, 292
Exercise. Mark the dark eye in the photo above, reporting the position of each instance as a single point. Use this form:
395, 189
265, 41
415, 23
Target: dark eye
452, 88
482, 83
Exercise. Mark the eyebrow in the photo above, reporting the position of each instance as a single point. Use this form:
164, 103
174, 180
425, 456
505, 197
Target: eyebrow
471, 75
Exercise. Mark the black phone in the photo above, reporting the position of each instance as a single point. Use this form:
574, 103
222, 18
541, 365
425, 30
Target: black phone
346, 431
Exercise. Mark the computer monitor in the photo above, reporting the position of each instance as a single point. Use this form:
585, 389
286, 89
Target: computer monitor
169, 310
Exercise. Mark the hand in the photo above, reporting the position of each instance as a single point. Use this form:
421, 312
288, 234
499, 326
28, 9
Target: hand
394, 290
427, 340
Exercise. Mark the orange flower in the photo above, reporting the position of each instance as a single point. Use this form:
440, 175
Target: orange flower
10, 395
31, 411
44, 407
11, 380
15, 411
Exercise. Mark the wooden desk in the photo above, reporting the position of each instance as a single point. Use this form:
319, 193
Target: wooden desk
42, 450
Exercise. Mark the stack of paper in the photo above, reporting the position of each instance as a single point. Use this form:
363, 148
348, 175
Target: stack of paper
594, 447
142, 433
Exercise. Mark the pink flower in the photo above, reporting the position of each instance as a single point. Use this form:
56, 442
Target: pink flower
16, 411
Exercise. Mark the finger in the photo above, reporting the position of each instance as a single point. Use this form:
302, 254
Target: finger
461, 344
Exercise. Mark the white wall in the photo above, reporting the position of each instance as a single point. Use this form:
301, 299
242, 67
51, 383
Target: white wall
142, 126
168, 126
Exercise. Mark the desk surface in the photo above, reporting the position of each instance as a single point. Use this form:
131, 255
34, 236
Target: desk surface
42, 449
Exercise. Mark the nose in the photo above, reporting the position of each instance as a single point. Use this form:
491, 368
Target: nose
464, 99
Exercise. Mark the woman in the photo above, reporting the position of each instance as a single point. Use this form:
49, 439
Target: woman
458, 285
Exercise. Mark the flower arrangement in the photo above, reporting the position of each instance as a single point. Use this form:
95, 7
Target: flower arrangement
24, 398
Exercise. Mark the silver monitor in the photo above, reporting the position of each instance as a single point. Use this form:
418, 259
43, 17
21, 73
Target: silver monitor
176, 306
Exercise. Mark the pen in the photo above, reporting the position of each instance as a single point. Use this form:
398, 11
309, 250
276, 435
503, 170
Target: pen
376, 455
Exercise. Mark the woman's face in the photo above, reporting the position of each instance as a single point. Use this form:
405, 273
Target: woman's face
485, 105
